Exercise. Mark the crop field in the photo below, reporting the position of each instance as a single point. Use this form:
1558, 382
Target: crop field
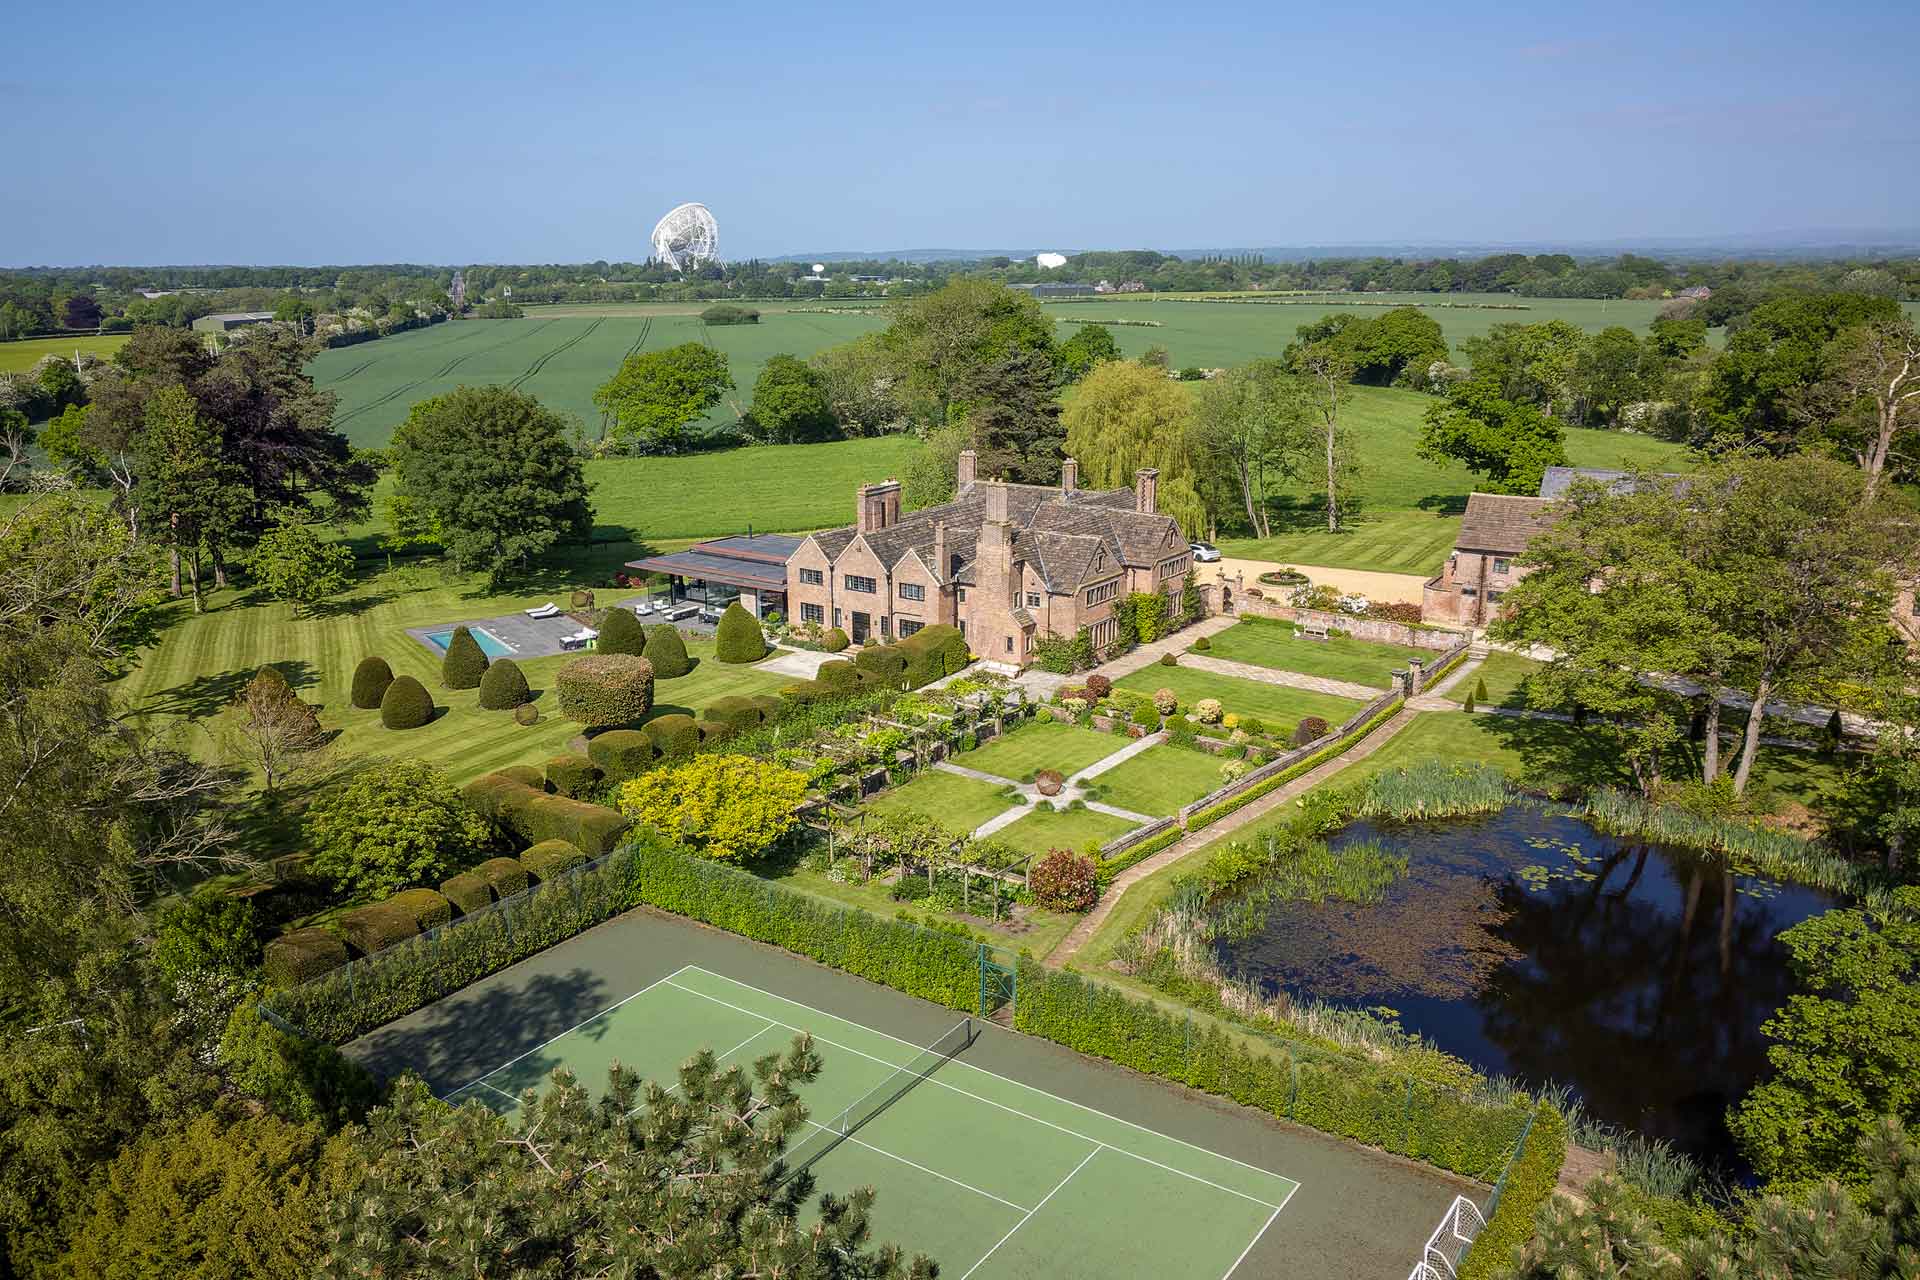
18, 357
559, 358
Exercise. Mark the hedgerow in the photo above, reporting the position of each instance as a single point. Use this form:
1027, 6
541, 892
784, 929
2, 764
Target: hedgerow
1529, 1182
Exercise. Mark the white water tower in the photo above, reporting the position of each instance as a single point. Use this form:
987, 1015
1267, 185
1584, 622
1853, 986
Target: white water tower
1049, 261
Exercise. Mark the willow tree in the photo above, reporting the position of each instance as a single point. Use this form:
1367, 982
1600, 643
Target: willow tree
1125, 416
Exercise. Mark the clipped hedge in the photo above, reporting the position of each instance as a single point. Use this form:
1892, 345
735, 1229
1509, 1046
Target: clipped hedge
491, 794
941, 967
1529, 1184
841, 676
933, 652
426, 908
738, 637
374, 928
571, 775
1331, 1092
465, 663
370, 681
504, 687
621, 632
885, 661
835, 641
1213, 813
736, 712
406, 704
505, 875
525, 774
294, 957
713, 733
605, 690
549, 858
592, 828
1110, 868
674, 737
468, 891
621, 754
667, 652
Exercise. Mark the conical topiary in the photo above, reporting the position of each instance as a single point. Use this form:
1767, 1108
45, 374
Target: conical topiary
1480, 690
503, 687
370, 681
621, 632
465, 662
667, 652
738, 637
407, 704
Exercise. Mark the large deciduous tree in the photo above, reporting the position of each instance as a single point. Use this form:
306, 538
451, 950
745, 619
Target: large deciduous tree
1328, 371
1251, 427
642, 1181
1508, 443
1089, 346
1868, 403
649, 403
790, 404
1124, 417
294, 563
493, 471
861, 385
944, 344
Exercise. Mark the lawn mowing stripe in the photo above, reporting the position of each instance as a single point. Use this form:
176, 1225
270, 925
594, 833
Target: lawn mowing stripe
1001, 1105
1023, 1222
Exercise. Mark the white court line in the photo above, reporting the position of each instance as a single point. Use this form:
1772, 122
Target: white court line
983, 1071
768, 1025
1001, 1105
1249, 1249
1023, 1222
575, 1027
502, 1092
882, 1151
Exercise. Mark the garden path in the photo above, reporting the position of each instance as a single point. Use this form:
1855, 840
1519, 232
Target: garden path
1268, 675
1118, 758
1147, 654
1069, 791
1071, 944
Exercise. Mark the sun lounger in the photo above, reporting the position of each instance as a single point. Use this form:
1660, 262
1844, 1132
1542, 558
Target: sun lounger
547, 610
579, 639
683, 613
643, 607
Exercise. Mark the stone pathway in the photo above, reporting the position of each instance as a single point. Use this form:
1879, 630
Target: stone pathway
1069, 791
1147, 654
1118, 758
1091, 922
1291, 679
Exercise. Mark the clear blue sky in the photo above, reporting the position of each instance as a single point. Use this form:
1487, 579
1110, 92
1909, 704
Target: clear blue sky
331, 133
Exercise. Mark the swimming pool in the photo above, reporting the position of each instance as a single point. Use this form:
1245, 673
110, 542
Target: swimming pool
491, 645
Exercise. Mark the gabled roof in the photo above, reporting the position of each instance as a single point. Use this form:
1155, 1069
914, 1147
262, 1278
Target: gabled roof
1502, 523
1555, 481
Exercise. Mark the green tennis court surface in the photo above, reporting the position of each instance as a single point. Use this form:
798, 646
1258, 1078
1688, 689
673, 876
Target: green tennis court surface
991, 1178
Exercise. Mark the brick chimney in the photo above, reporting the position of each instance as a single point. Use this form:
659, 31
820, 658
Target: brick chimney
969, 463
993, 579
1069, 476
1146, 491
877, 506
942, 566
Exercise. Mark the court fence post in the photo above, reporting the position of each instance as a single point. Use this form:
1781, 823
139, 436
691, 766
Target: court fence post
1406, 1121
1293, 1094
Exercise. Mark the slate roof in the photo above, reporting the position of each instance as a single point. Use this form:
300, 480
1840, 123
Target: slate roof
1502, 523
1555, 481
1056, 533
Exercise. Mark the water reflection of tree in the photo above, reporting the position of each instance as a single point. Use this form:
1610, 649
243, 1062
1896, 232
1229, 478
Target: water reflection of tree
1652, 1006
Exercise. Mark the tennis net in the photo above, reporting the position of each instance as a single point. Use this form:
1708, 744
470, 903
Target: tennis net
831, 1133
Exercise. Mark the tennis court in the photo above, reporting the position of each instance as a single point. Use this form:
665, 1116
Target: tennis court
990, 1177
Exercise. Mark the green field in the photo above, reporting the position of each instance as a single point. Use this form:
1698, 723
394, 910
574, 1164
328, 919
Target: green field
1042, 744
1160, 781
958, 803
1272, 644
18, 357
559, 358
1076, 829
1280, 706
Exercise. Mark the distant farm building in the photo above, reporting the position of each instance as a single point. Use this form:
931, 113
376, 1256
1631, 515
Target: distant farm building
1057, 290
227, 321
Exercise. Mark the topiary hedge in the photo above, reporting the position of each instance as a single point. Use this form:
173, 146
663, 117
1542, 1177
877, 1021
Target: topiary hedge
667, 652
370, 681
526, 714
372, 928
505, 876
549, 858
738, 637
621, 754
712, 732
834, 641
528, 775
593, 828
839, 675
933, 652
300, 954
465, 662
468, 892
674, 737
427, 909
571, 775
884, 661
1530, 1182
621, 632
504, 687
736, 712
406, 704
605, 689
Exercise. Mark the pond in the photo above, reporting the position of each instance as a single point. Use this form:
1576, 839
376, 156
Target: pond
1531, 945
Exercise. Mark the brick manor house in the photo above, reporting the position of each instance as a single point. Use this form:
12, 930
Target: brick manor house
1006, 563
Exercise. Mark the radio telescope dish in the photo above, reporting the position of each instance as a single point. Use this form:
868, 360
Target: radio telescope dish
686, 237
819, 268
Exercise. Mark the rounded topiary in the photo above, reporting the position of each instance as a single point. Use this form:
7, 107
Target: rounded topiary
735, 711
738, 637
835, 640
370, 681
621, 632
839, 675
429, 909
675, 737
621, 754
605, 689
1168, 660
571, 775
551, 857
465, 662
1310, 729
406, 704
504, 686
1202, 645
524, 774
667, 652
526, 713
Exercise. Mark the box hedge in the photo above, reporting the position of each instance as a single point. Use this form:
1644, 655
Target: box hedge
675, 737
667, 652
504, 875
426, 908
738, 637
1530, 1181
605, 690
933, 652
370, 681
374, 928
406, 704
736, 711
593, 828
835, 641
621, 632
571, 775
883, 660
465, 663
504, 687
525, 774
468, 891
491, 794
712, 733
841, 676
549, 858
621, 754
294, 957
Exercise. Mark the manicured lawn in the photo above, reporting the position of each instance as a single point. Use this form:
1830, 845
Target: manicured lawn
1075, 829
18, 357
1041, 744
960, 804
1279, 706
1036, 929
1160, 781
1504, 674
200, 662
1272, 644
